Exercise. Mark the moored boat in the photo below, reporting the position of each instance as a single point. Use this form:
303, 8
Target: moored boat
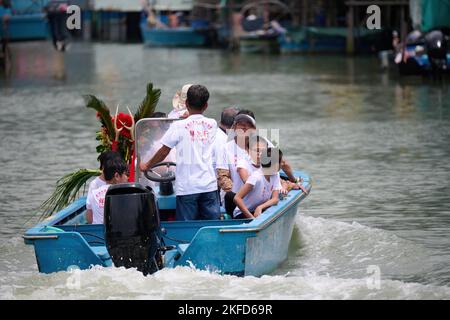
175, 24
179, 37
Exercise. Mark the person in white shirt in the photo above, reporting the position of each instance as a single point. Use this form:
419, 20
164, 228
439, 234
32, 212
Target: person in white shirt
292, 182
194, 139
234, 151
115, 171
100, 180
262, 187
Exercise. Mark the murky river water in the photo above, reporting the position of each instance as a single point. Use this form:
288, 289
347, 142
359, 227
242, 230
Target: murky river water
376, 146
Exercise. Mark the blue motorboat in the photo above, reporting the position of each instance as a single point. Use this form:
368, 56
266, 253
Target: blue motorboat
228, 246
178, 37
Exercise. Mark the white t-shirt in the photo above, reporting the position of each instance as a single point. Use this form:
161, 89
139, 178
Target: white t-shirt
194, 138
94, 184
221, 137
228, 159
261, 192
97, 200
244, 163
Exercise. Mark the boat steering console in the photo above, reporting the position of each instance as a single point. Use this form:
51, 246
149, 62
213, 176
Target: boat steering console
165, 179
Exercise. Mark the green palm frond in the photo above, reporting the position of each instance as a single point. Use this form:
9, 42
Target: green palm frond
66, 191
148, 105
99, 106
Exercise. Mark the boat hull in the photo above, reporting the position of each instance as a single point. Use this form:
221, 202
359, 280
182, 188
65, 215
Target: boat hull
181, 37
27, 27
239, 247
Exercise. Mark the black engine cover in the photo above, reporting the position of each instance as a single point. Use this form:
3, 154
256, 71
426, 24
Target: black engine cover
132, 227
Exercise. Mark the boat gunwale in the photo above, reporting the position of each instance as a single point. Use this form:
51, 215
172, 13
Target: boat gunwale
267, 222
247, 225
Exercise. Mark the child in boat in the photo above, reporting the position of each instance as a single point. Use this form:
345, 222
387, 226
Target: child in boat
100, 180
115, 171
179, 104
194, 139
228, 177
262, 187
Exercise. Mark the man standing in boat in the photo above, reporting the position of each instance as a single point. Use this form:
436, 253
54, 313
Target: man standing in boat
194, 139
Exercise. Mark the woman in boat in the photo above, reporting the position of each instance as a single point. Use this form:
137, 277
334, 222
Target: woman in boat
263, 185
229, 155
115, 171
230, 177
100, 180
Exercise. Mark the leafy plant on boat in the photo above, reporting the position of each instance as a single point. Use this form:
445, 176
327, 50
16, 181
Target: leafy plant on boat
116, 133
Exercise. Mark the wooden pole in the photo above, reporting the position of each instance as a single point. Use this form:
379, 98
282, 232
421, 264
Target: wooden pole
350, 32
403, 26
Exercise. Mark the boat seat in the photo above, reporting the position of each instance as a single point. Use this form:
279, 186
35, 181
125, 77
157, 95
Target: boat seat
101, 252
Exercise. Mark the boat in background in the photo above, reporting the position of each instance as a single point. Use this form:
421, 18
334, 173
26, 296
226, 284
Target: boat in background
139, 230
174, 24
259, 27
28, 21
177, 37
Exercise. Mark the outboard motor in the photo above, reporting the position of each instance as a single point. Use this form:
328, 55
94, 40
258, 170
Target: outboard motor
132, 227
436, 44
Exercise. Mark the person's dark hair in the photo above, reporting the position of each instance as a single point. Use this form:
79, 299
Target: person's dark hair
247, 112
113, 166
266, 160
239, 118
107, 155
227, 116
197, 96
158, 115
